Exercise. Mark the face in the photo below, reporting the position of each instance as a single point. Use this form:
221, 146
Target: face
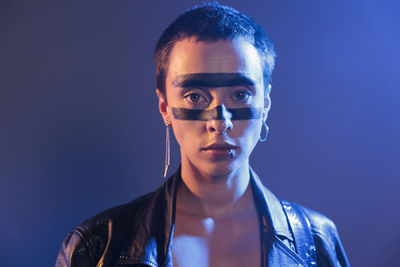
215, 103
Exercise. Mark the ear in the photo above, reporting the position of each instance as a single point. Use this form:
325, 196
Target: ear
267, 102
162, 107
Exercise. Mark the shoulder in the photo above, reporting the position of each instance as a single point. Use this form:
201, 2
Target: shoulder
320, 224
121, 216
118, 213
87, 242
329, 248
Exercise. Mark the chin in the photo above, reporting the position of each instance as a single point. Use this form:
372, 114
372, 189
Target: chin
220, 169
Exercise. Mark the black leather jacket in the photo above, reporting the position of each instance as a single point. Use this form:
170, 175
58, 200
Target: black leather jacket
140, 233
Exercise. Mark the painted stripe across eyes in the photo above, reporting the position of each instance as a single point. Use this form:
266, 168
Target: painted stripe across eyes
217, 113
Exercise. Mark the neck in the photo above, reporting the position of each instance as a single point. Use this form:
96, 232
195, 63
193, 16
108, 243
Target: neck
215, 196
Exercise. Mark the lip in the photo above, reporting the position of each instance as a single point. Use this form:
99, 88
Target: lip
219, 146
220, 151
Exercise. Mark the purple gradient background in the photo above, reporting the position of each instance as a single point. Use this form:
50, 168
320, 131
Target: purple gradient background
80, 131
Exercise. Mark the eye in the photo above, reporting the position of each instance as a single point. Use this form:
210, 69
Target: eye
195, 98
242, 95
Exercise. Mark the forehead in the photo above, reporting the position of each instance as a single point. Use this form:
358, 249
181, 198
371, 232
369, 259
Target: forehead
189, 56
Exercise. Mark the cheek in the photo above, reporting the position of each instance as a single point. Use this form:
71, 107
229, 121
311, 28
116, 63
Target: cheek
248, 131
248, 127
186, 131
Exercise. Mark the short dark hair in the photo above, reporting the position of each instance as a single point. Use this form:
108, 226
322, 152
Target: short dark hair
212, 22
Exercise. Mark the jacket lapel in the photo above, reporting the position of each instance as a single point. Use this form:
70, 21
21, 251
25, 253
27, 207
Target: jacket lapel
275, 231
149, 240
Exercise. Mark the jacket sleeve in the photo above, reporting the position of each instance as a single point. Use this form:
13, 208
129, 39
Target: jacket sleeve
75, 250
329, 249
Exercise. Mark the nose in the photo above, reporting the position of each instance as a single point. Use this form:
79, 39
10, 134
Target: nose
221, 122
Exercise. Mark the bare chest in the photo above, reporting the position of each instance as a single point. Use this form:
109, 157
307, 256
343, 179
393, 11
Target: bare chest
207, 242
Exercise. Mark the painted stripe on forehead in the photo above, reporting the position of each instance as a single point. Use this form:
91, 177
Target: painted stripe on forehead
212, 80
217, 113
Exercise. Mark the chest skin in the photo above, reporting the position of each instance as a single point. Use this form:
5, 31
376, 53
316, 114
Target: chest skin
200, 241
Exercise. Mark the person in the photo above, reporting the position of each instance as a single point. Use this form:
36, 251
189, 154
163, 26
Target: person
213, 76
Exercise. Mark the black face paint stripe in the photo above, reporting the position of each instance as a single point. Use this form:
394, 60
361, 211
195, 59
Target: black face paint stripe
220, 113
210, 80
216, 113
245, 113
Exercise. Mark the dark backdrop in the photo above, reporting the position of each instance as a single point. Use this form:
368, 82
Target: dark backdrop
80, 131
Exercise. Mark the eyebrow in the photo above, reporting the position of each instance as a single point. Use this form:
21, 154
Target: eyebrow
212, 80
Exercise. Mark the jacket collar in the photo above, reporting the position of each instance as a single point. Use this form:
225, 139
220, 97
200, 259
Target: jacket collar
270, 208
148, 240
161, 216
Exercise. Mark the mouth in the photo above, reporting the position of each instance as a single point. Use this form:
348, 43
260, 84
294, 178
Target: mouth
220, 146
221, 151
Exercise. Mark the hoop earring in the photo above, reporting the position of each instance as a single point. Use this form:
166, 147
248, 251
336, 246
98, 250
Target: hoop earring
167, 149
263, 139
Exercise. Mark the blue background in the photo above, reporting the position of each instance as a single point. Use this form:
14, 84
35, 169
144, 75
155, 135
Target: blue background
80, 130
